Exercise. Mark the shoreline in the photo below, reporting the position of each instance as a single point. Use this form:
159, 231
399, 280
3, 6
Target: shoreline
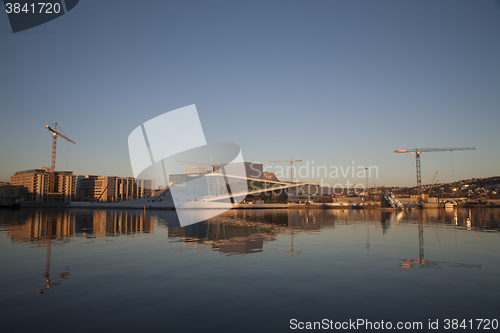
86, 205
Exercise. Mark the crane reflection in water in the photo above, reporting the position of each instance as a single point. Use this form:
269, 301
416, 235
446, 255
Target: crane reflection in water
421, 262
47, 236
45, 227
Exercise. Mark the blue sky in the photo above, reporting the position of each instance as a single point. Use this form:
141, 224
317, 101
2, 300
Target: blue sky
325, 81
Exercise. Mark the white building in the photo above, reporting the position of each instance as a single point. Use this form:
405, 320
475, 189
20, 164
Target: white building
198, 169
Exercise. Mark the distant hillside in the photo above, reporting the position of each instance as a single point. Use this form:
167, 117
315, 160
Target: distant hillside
477, 188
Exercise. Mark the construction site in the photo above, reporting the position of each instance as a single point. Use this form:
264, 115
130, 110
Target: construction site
265, 190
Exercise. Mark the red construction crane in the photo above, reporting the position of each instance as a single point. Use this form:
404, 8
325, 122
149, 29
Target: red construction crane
53, 163
291, 166
418, 151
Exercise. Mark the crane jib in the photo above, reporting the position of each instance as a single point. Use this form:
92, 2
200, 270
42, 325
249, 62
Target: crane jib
425, 150
418, 151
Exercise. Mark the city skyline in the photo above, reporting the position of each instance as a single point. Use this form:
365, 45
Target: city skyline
339, 83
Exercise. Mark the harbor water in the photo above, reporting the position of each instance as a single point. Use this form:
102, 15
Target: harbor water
84, 270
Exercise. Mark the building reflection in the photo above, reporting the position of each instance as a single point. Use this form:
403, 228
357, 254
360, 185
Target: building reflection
39, 225
421, 262
474, 219
45, 227
235, 231
246, 231
229, 237
116, 223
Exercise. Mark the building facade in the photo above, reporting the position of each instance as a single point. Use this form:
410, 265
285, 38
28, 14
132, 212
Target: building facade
37, 184
69, 187
197, 169
311, 193
112, 189
270, 176
10, 192
252, 169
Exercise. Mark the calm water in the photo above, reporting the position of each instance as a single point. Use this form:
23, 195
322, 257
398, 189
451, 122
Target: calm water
246, 270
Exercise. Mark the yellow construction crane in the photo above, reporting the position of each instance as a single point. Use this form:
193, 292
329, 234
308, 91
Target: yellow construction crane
291, 161
432, 184
53, 163
418, 151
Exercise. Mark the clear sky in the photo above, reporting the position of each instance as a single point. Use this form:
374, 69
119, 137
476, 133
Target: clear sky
326, 81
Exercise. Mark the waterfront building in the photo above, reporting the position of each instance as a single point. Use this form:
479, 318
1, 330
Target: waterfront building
112, 188
270, 176
176, 179
255, 187
11, 192
252, 169
197, 169
311, 193
159, 190
69, 187
37, 184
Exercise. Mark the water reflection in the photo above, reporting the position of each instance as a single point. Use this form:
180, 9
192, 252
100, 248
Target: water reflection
478, 219
47, 227
40, 225
237, 231
43, 233
247, 231
263, 225
421, 262
268, 263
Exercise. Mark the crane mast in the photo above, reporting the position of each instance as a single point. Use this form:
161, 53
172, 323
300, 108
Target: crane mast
55, 133
418, 151
291, 161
